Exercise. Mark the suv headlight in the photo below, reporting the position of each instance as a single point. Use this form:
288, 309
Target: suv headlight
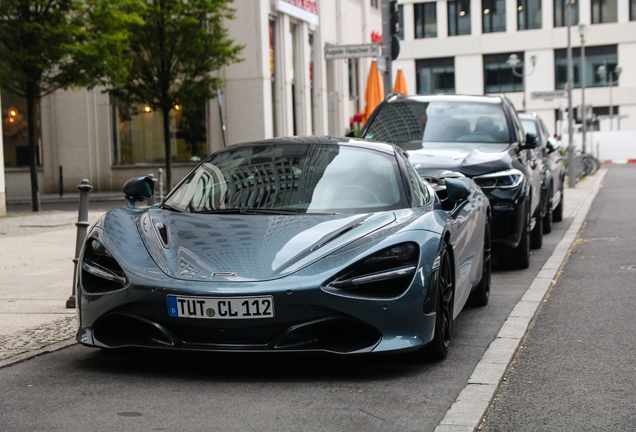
507, 179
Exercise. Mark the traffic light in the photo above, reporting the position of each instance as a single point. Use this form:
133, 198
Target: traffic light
395, 17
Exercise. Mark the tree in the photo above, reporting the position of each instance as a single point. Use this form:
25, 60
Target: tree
46, 45
173, 53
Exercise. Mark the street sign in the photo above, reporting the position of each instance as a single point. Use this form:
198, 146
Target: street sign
351, 51
549, 95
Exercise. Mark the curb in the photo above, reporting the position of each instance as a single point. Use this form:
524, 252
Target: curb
19, 358
468, 410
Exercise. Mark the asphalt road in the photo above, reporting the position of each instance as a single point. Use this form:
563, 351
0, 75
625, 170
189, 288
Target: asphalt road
82, 388
576, 371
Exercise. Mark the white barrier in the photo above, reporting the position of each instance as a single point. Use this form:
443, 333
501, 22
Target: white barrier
614, 145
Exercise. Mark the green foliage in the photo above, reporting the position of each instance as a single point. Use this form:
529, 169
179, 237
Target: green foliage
49, 44
174, 50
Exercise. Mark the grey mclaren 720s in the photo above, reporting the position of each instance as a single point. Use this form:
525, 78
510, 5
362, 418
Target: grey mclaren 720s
289, 245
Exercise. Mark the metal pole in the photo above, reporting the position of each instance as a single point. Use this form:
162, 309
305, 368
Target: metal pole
153, 199
160, 185
82, 226
218, 98
386, 47
584, 110
611, 77
571, 158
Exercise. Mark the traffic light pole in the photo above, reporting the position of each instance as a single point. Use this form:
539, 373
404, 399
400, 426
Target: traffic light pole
387, 75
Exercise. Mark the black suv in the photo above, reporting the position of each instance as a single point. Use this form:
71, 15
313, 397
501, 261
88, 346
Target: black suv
482, 138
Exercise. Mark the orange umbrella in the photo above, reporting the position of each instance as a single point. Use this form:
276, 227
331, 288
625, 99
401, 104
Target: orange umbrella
375, 91
400, 83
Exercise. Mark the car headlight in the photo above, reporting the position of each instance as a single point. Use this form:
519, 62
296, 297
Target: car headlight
507, 179
385, 274
100, 271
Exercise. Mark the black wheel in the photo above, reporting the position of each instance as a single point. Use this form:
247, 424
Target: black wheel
445, 293
481, 294
519, 257
536, 237
547, 219
557, 216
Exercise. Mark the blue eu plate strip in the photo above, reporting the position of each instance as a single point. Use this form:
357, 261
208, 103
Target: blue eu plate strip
172, 306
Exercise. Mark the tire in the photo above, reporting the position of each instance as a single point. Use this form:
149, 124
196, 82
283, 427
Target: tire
437, 349
547, 219
557, 216
481, 294
519, 257
536, 237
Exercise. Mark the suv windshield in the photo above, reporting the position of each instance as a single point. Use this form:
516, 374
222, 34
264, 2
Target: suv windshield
290, 178
440, 122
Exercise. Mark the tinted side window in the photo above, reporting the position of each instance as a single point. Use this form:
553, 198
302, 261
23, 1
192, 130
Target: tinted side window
421, 193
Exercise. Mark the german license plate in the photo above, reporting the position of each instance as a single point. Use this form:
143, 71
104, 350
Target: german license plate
221, 308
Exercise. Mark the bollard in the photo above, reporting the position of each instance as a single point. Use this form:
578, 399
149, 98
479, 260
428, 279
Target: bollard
153, 199
61, 182
82, 226
160, 196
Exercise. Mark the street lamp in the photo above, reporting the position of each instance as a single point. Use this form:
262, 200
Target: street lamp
583, 29
513, 61
601, 71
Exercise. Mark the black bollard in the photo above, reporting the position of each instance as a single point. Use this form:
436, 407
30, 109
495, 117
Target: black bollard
153, 199
82, 227
61, 182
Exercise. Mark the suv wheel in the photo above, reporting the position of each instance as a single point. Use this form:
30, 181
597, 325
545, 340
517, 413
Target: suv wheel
536, 237
519, 257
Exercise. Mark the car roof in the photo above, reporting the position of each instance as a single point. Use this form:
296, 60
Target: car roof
527, 116
308, 140
444, 98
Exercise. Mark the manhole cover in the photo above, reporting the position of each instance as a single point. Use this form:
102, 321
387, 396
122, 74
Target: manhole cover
629, 267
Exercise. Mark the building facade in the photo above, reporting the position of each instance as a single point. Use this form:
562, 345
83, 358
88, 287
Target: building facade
463, 47
284, 86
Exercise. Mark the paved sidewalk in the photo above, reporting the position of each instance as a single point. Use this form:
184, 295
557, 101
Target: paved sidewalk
36, 276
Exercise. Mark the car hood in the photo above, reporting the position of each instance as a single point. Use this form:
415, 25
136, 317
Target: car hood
214, 247
471, 163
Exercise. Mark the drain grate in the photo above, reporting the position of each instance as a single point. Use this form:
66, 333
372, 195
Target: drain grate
629, 267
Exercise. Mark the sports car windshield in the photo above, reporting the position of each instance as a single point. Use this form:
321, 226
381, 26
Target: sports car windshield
432, 124
291, 179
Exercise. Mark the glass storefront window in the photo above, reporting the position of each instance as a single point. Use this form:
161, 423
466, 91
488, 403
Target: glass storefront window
401, 21
139, 133
15, 131
595, 56
493, 16
604, 11
632, 10
529, 14
559, 13
425, 17
498, 75
458, 17
435, 76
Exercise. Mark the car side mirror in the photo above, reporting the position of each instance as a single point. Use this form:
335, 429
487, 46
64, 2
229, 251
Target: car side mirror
531, 142
456, 189
138, 189
553, 145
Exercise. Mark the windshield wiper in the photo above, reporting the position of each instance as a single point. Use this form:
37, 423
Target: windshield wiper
249, 211
167, 207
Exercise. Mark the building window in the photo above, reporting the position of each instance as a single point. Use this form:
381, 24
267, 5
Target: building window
493, 16
435, 76
425, 15
401, 21
595, 56
498, 75
559, 13
632, 10
458, 17
605, 11
139, 134
15, 131
375, 4
528, 14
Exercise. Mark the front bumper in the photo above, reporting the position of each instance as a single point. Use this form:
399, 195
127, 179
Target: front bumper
508, 207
